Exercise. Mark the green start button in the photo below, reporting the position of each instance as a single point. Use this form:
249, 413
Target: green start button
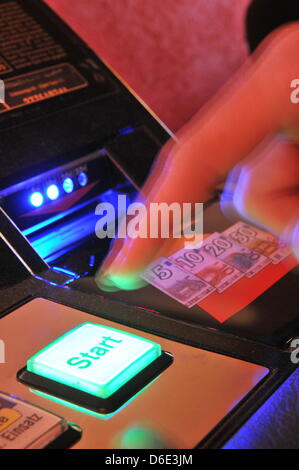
94, 359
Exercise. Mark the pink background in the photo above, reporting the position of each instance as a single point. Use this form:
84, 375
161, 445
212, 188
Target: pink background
174, 53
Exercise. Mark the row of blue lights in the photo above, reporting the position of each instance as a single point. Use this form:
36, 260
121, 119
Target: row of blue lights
53, 192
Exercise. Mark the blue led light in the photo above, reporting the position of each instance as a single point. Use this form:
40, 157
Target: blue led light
82, 179
37, 199
68, 185
53, 192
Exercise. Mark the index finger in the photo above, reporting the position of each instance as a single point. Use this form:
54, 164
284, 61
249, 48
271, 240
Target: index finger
251, 107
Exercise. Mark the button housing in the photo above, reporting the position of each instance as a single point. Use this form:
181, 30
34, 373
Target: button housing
116, 366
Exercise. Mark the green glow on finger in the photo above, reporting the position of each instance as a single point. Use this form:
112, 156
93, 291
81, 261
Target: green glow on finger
129, 282
122, 282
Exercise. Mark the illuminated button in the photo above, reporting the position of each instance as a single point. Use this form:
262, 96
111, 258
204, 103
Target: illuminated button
82, 179
94, 359
37, 199
53, 192
68, 185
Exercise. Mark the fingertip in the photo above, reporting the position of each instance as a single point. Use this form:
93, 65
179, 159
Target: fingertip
112, 282
105, 283
128, 281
